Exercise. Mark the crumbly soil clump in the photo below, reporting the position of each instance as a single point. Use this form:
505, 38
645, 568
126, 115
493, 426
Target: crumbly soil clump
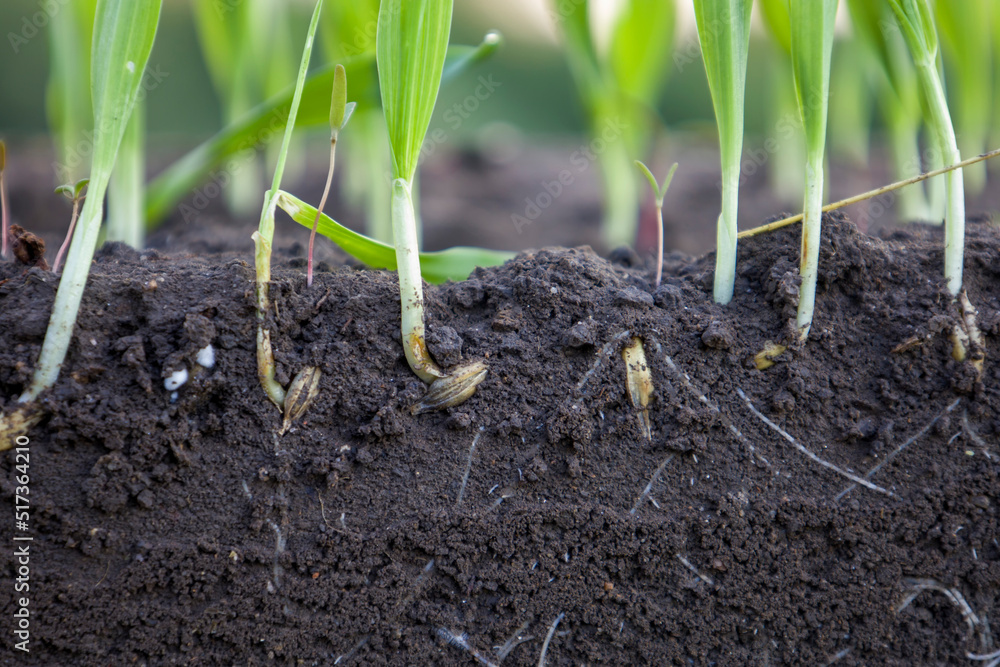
183, 530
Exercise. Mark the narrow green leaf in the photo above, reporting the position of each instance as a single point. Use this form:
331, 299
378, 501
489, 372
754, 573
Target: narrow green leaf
966, 42
659, 191
641, 43
435, 267
724, 34
775, 15
213, 158
812, 26
339, 101
917, 24
123, 38
411, 45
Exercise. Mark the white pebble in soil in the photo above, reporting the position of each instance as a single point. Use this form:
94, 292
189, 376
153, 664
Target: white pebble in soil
206, 356
176, 380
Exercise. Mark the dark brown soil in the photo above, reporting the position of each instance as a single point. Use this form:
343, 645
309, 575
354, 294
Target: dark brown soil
187, 532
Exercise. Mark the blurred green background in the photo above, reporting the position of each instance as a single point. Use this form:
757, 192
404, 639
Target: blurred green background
538, 95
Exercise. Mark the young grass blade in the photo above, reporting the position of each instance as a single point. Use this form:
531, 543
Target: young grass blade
965, 31
410, 46
67, 96
435, 267
724, 33
204, 161
264, 235
339, 115
123, 38
126, 191
897, 95
812, 26
917, 25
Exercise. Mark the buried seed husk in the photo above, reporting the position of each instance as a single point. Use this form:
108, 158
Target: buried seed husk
301, 393
639, 382
15, 425
453, 389
765, 358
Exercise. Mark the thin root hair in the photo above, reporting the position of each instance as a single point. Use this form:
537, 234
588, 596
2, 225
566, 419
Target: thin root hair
826, 464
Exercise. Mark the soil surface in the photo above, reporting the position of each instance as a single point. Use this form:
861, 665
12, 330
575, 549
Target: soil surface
535, 518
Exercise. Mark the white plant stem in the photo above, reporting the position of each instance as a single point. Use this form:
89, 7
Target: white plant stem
954, 221
411, 288
725, 263
809, 253
70, 292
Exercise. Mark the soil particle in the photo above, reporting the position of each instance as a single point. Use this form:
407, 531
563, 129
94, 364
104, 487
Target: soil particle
28, 249
189, 532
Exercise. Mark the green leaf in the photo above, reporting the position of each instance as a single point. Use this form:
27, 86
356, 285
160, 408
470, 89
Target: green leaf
659, 192
215, 157
574, 20
123, 38
435, 267
641, 44
411, 45
917, 23
724, 34
812, 26
338, 103
775, 16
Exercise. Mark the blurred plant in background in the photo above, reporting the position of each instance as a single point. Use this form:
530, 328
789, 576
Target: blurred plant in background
619, 81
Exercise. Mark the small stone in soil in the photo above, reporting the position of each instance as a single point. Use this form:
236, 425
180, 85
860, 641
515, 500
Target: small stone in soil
717, 336
633, 296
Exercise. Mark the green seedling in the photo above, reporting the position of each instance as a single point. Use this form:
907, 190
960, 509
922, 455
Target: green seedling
264, 237
411, 43
659, 192
724, 33
812, 26
207, 160
340, 113
75, 194
435, 267
68, 104
897, 93
124, 31
785, 174
229, 42
917, 24
966, 42
4, 213
619, 87
347, 31
126, 192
